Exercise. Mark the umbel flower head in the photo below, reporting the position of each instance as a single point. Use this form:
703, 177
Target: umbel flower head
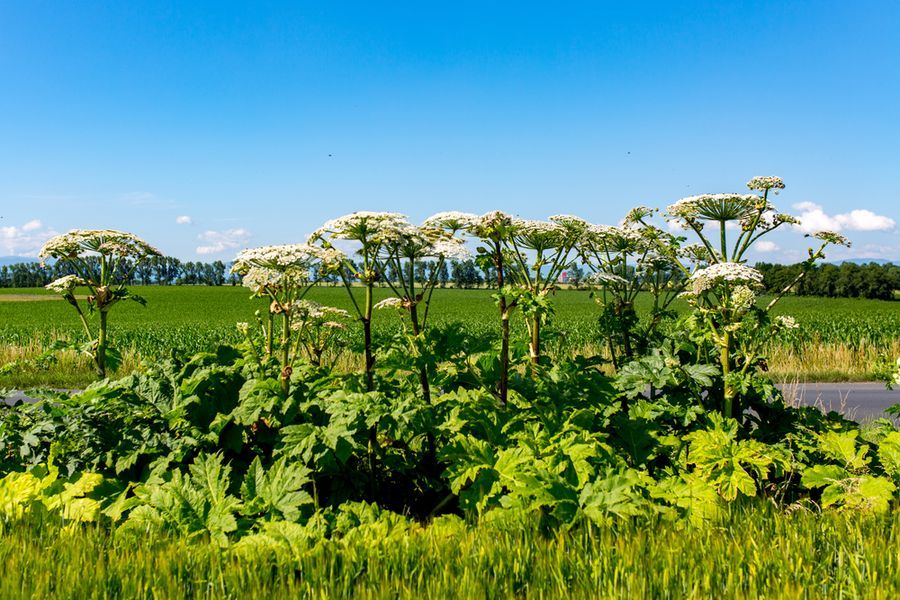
538, 235
286, 257
80, 242
361, 226
766, 183
717, 207
452, 220
307, 311
64, 286
731, 272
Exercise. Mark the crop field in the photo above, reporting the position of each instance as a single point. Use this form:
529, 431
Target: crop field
838, 339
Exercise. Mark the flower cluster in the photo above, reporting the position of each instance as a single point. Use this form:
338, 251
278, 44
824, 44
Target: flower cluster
453, 220
786, 322
283, 258
307, 312
603, 278
766, 183
98, 241
742, 299
768, 220
64, 286
717, 207
831, 237
262, 279
708, 277
361, 226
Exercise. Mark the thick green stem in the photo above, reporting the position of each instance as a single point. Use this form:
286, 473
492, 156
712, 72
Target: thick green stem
101, 345
423, 370
723, 240
725, 359
535, 346
270, 333
503, 384
367, 340
285, 352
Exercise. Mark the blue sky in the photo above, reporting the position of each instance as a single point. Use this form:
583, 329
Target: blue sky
258, 121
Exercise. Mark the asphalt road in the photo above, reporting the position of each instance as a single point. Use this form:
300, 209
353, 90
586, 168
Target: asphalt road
859, 401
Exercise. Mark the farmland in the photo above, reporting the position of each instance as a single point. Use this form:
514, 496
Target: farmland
838, 339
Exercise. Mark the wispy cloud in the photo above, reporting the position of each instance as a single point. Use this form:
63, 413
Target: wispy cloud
216, 242
183, 220
24, 240
813, 218
765, 246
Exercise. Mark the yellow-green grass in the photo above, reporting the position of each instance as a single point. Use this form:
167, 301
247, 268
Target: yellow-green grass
757, 552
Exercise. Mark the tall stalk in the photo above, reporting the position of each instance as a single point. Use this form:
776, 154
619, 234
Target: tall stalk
503, 382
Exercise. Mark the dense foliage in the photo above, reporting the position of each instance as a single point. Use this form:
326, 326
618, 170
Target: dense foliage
265, 440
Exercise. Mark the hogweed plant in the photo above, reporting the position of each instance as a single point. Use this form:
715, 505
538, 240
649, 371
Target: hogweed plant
403, 247
724, 291
625, 261
540, 251
281, 274
494, 230
370, 231
319, 329
103, 261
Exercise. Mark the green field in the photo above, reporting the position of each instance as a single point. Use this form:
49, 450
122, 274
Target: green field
839, 339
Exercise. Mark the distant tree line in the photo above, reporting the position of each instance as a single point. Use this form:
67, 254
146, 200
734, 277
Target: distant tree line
158, 270
847, 280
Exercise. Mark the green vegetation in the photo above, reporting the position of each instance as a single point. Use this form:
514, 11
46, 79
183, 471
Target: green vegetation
838, 338
794, 555
501, 437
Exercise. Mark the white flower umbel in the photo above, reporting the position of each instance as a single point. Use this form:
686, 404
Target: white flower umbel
80, 242
452, 220
715, 207
786, 322
766, 183
708, 277
64, 286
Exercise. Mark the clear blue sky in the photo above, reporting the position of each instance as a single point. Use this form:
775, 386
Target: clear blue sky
260, 120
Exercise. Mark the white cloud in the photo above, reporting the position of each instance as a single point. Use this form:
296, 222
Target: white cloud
813, 218
25, 240
220, 241
183, 220
765, 246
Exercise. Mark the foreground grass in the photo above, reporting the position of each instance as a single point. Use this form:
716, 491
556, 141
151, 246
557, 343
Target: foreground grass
757, 552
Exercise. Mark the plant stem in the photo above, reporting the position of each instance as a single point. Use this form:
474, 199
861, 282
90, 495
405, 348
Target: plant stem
503, 384
285, 351
101, 345
423, 369
725, 359
367, 339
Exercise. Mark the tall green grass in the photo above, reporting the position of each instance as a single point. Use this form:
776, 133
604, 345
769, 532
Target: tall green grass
757, 552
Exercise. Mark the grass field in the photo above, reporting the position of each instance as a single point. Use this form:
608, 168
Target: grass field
839, 339
757, 552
